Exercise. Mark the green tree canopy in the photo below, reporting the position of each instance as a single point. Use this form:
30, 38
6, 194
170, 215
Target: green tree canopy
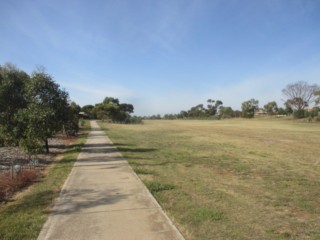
213, 107
317, 94
249, 107
12, 98
111, 100
46, 112
271, 108
111, 109
32, 109
226, 112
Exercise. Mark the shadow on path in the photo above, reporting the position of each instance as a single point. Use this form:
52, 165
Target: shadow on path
89, 199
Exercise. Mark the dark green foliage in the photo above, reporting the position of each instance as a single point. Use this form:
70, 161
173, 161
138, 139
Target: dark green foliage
71, 123
46, 111
249, 108
213, 106
12, 98
312, 113
317, 94
226, 112
282, 111
199, 111
299, 113
271, 108
111, 100
133, 120
89, 110
112, 110
33, 109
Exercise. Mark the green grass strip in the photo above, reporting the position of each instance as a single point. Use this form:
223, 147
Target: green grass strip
24, 218
155, 187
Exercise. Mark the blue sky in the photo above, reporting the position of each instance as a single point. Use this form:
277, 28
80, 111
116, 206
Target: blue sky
164, 56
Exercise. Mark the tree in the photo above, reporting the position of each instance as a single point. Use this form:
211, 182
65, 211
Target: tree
197, 111
226, 112
89, 110
111, 100
249, 107
183, 114
46, 111
271, 108
71, 121
288, 108
32, 109
317, 93
300, 95
213, 106
282, 111
12, 99
111, 109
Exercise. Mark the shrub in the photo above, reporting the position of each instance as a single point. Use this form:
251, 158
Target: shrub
133, 120
299, 113
10, 184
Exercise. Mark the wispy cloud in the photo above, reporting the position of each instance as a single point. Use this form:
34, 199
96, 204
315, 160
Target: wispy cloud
174, 23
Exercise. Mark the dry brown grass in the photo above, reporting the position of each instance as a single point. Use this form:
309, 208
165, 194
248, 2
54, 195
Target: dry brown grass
10, 183
231, 179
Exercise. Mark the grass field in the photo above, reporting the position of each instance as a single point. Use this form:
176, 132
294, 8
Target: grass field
230, 179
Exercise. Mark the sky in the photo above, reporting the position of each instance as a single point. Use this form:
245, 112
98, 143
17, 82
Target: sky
164, 56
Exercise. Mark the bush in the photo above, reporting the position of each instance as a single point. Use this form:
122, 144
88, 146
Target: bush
299, 113
10, 184
133, 120
82, 122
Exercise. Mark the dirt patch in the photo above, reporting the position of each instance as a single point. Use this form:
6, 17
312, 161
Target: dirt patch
14, 155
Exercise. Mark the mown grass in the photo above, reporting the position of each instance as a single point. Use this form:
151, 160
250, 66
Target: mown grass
140, 170
231, 179
23, 218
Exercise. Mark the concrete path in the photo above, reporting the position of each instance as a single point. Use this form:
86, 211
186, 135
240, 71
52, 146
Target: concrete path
104, 199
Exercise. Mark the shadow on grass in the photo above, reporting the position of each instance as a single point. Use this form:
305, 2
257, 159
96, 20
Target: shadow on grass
105, 148
139, 150
33, 202
140, 164
74, 148
98, 145
57, 146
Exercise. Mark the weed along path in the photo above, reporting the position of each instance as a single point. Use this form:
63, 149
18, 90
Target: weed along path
104, 199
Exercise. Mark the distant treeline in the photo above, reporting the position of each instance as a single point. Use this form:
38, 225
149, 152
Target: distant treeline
302, 101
